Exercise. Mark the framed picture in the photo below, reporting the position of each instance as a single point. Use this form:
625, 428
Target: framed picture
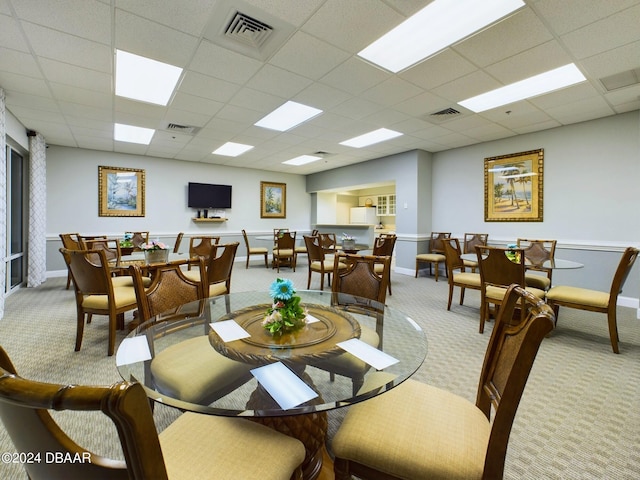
273, 200
120, 192
513, 187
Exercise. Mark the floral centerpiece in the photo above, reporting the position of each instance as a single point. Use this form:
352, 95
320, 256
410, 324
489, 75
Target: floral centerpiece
155, 252
512, 254
126, 241
348, 242
285, 315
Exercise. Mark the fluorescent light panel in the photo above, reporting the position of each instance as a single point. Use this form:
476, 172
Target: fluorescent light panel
302, 160
529, 87
434, 28
231, 149
140, 78
131, 134
288, 116
370, 138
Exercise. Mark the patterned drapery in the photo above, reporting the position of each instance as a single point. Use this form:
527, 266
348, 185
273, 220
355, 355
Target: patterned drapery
37, 250
3, 199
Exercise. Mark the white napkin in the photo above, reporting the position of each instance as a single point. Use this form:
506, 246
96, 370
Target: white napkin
286, 388
368, 354
133, 350
229, 330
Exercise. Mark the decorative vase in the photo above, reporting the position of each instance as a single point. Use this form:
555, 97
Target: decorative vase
348, 244
156, 256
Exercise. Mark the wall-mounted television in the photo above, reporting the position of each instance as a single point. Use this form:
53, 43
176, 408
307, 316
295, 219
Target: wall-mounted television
206, 195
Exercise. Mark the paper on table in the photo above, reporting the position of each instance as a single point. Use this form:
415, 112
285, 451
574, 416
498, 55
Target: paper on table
368, 354
229, 330
133, 350
283, 385
311, 319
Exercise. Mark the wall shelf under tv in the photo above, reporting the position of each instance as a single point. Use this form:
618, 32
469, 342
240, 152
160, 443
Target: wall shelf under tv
212, 220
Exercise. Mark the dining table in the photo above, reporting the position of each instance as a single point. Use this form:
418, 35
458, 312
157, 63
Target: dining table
552, 263
288, 389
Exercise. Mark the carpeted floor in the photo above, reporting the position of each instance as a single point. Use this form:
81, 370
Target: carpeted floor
579, 417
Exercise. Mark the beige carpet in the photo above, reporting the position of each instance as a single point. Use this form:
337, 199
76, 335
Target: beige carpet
579, 417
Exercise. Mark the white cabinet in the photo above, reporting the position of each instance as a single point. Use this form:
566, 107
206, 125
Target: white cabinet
386, 205
363, 215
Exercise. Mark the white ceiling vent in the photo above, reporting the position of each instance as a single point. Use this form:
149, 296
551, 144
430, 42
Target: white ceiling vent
250, 31
245, 29
185, 129
621, 80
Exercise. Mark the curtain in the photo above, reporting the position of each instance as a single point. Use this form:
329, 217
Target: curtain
37, 247
3, 199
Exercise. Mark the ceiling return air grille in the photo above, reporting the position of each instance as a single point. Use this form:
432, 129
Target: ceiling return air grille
186, 129
248, 30
442, 116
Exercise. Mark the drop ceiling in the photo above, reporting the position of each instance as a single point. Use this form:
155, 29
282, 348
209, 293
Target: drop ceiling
57, 60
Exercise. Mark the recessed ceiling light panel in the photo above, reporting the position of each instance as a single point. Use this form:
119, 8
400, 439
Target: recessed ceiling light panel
288, 116
371, 138
302, 160
231, 149
132, 134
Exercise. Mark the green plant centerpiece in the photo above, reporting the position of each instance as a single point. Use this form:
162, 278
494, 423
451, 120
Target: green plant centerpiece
285, 314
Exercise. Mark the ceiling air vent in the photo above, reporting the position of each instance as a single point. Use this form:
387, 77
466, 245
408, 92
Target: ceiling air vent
248, 30
185, 129
446, 112
442, 116
621, 80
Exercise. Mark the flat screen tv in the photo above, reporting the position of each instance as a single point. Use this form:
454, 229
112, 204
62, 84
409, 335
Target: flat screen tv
206, 195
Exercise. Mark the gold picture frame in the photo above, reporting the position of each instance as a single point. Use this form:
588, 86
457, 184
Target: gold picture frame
273, 200
513, 187
120, 192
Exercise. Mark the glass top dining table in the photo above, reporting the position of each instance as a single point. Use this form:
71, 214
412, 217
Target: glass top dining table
289, 387
553, 263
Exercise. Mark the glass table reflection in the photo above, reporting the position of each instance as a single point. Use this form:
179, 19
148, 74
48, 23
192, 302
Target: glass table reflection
288, 388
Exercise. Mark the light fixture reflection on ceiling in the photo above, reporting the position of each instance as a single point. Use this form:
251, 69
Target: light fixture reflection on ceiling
371, 138
288, 116
132, 134
145, 80
302, 160
529, 87
434, 28
231, 149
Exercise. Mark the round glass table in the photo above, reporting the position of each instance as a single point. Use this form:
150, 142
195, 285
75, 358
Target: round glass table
552, 263
285, 381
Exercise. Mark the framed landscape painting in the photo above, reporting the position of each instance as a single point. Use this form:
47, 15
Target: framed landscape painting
513, 187
273, 200
120, 192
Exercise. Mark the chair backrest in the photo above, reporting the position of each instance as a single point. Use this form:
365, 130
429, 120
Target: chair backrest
138, 239
286, 241
200, 246
328, 241
277, 232
383, 245
176, 246
360, 280
70, 241
314, 249
622, 272
435, 246
220, 264
497, 268
452, 254
170, 288
24, 410
537, 251
473, 239
508, 360
90, 271
246, 240
111, 248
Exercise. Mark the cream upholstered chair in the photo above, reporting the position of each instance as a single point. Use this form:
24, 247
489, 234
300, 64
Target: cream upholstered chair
383, 247
436, 253
184, 450
469, 246
70, 241
97, 293
536, 252
595, 300
284, 253
219, 268
355, 279
418, 431
458, 277
168, 299
497, 272
200, 245
262, 251
318, 262
138, 239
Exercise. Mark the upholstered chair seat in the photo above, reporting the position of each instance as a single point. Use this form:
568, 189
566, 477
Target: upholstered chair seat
494, 292
583, 296
435, 255
536, 280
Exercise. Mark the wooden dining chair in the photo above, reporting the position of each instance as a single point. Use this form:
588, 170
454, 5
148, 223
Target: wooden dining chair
497, 272
284, 253
318, 263
138, 239
595, 300
469, 246
219, 268
536, 252
262, 251
458, 276
359, 289
383, 247
96, 293
418, 431
182, 450
435, 256
176, 245
70, 241
200, 245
